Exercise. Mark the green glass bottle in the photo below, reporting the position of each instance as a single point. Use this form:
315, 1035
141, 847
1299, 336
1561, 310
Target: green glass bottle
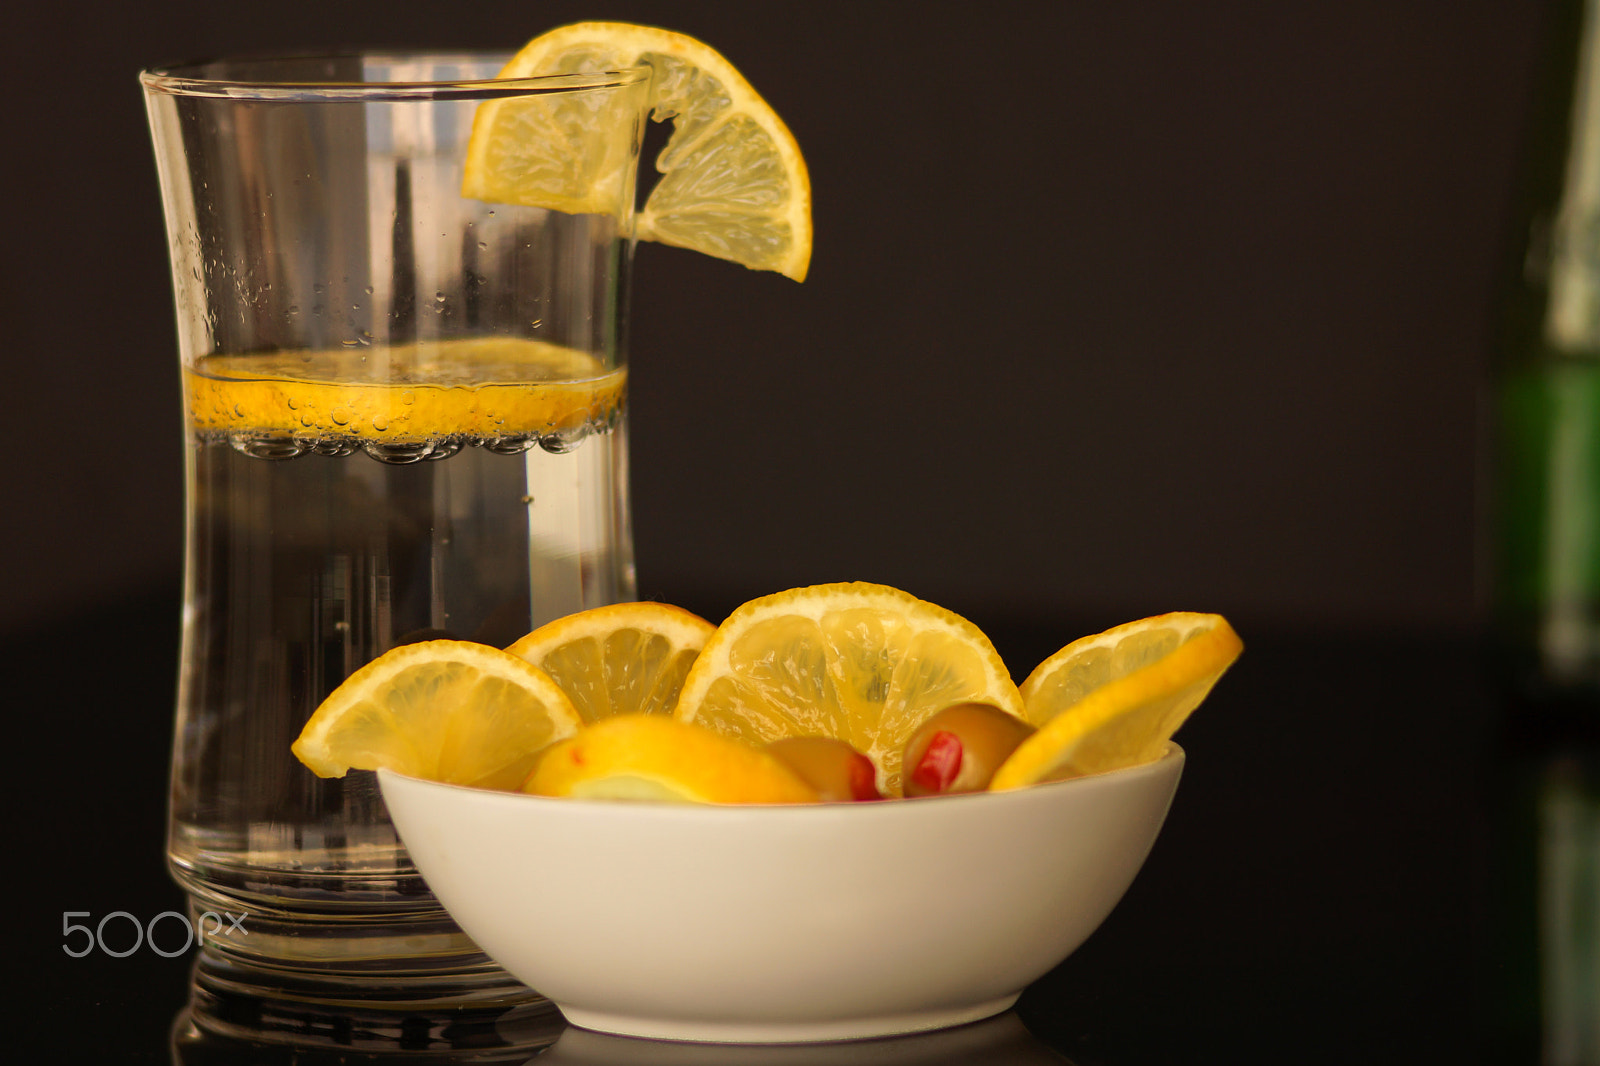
1548, 394
1544, 973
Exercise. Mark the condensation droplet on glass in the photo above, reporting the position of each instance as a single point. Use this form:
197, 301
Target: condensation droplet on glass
408, 397
536, 323
379, 423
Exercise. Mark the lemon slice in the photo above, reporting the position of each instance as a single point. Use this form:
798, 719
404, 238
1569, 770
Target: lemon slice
624, 658
659, 759
1116, 698
733, 183
483, 387
446, 710
858, 662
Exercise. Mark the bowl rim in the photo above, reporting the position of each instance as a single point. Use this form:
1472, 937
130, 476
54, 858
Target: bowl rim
1170, 763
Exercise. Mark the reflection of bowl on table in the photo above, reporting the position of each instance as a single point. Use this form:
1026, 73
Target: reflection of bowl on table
999, 1041
759, 924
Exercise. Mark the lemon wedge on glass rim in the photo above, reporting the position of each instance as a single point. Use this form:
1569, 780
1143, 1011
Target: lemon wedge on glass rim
733, 183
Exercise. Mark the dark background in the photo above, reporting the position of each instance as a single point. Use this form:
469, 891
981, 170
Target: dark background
1116, 308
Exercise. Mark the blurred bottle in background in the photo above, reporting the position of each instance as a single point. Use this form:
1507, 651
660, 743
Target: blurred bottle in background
1545, 958
1548, 397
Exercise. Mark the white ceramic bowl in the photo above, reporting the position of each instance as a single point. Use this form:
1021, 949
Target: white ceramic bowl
778, 924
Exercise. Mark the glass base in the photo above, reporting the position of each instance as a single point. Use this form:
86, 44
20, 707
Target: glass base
389, 954
380, 976
231, 1007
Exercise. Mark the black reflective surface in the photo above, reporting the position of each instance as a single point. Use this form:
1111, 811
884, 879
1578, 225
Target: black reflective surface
1369, 859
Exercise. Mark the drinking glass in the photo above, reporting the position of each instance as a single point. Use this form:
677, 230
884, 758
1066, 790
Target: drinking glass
405, 419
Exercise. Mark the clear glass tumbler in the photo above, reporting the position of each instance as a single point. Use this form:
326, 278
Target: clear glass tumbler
405, 417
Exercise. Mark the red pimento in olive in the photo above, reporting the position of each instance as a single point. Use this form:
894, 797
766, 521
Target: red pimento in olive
960, 748
837, 771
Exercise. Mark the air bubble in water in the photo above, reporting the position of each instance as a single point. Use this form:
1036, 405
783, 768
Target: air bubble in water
397, 454
563, 440
508, 445
267, 447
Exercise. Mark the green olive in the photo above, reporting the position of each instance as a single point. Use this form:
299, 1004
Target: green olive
837, 771
960, 748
